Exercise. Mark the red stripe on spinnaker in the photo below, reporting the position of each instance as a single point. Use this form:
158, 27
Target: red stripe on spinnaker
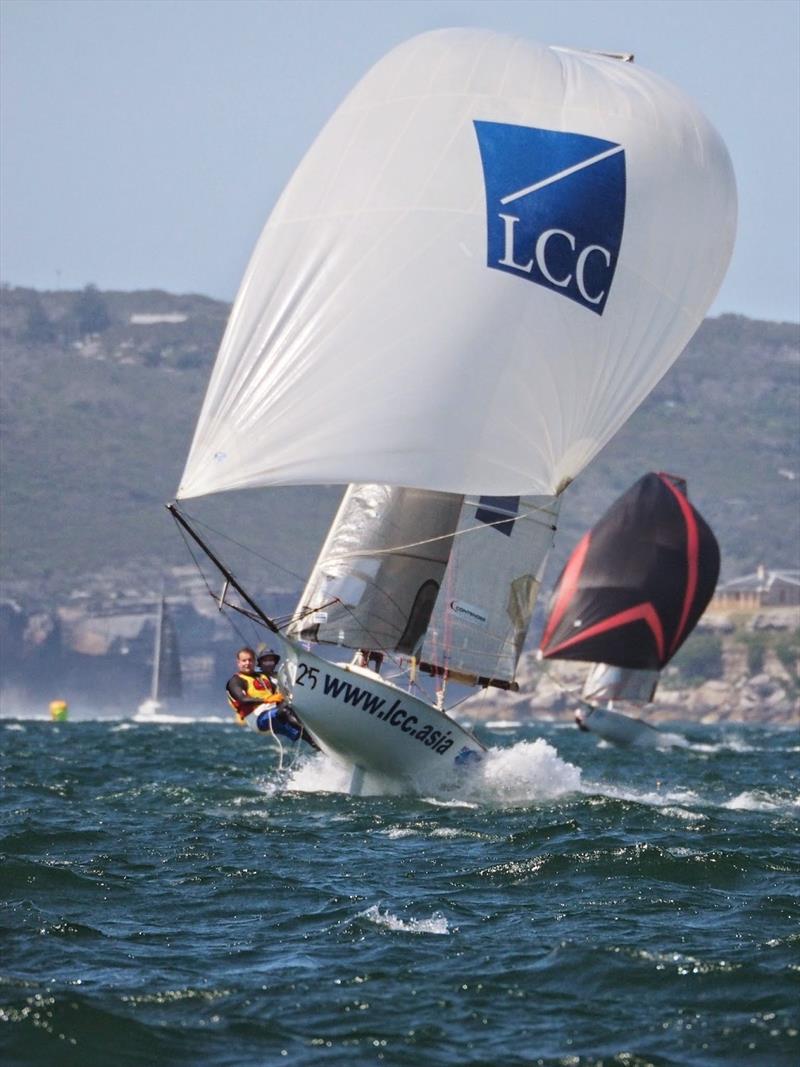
640, 613
569, 582
692, 560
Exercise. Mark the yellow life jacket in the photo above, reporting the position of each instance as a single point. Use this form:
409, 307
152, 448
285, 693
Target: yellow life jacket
260, 690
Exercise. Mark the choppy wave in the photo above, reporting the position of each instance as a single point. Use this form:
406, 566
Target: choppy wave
185, 896
527, 772
760, 800
435, 924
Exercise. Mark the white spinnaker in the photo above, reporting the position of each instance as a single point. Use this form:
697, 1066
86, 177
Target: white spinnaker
370, 342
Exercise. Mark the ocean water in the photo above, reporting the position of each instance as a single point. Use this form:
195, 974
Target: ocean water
172, 894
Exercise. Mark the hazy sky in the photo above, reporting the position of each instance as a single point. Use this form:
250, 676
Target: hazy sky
144, 142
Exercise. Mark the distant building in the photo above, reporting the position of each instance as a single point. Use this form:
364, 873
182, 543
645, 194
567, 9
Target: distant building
155, 319
763, 589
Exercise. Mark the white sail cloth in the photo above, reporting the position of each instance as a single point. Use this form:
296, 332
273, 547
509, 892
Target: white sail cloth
490, 255
607, 683
449, 581
380, 570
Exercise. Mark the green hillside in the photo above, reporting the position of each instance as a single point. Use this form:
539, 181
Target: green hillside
727, 418
100, 391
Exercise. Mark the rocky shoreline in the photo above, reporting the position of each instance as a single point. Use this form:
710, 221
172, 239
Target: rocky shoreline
768, 696
752, 677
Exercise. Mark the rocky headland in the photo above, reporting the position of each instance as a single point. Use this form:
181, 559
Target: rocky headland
752, 660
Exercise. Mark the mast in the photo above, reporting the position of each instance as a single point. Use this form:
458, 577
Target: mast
156, 678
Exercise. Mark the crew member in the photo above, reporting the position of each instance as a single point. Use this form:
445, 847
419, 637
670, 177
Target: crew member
257, 694
367, 657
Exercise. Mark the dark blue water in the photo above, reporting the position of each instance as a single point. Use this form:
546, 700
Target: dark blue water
170, 896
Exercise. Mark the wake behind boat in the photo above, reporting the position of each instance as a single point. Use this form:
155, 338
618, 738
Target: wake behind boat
470, 283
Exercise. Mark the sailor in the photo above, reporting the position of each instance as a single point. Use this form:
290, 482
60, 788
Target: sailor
579, 721
256, 693
367, 657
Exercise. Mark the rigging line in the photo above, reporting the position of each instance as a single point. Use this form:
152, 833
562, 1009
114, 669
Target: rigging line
247, 548
251, 615
571, 692
498, 637
209, 590
371, 584
226, 572
377, 645
200, 570
469, 696
298, 616
232, 607
373, 643
280, 746
440, 537
239, 633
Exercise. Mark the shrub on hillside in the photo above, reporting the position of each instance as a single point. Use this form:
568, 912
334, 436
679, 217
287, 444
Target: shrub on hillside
784, 643
700, 659
90, 311
38, 327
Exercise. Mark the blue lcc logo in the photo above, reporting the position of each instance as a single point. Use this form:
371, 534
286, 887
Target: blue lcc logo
555, 206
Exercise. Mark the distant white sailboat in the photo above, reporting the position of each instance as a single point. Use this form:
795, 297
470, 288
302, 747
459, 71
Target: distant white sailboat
606, 686
165, 702
491, 254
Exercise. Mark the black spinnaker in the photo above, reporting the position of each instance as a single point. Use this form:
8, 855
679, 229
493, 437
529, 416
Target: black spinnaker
637, 582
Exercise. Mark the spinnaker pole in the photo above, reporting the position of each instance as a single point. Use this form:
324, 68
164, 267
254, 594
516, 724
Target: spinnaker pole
222, 568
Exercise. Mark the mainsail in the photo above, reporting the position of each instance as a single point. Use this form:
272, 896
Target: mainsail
448, 581
606, 683
167, 680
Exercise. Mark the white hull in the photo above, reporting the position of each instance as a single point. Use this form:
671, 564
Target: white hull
164, 712
617, 728
371, 725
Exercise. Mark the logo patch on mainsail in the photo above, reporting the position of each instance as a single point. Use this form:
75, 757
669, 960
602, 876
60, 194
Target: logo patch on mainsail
555, 206
468, 612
